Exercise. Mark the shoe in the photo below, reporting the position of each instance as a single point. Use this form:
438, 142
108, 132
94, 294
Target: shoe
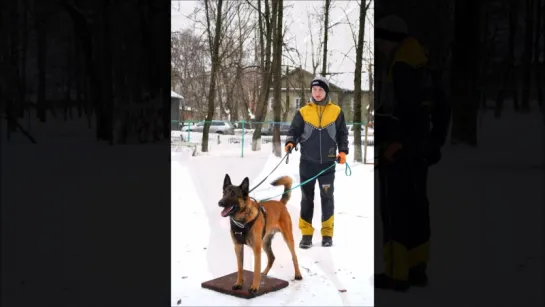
418, 276
306, 242
327, 241
387, 283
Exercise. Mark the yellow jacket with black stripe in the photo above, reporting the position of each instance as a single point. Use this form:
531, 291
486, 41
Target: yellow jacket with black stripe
320, 130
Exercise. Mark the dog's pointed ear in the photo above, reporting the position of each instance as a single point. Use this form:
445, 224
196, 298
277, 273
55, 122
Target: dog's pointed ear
226, 181
245, 186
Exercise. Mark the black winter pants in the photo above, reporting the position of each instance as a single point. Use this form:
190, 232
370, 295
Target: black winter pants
307, 170
404, 210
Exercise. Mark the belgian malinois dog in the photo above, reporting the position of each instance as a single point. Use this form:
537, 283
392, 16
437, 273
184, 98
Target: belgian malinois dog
254, 224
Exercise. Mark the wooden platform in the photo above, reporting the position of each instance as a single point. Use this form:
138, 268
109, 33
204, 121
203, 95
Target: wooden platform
225, 283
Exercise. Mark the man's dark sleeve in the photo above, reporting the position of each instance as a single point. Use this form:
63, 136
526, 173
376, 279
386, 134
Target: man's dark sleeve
342, 133
407, 83
296, 129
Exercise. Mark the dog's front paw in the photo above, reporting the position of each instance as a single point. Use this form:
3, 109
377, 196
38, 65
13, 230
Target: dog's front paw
253, 289
298, 277
237, 286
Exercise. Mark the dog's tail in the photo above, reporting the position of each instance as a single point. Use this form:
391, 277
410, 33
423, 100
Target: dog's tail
286, 181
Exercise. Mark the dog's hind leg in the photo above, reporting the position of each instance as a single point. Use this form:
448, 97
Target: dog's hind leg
267, 241
239, 252
287, 233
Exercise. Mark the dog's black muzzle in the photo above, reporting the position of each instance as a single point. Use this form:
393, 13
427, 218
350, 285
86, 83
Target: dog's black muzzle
229, 207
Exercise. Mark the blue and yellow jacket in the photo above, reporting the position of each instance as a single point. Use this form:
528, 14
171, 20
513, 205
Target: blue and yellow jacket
321, 131
401, 115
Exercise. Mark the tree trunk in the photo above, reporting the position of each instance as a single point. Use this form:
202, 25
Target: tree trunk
371, 95
261, 109
357, 84
80, 77
527, 56
15, 60
277, 63
213, 74
537, 52
41, 52
104, 106
464, 70
7, 92
88, 73
509, 83
287, 105
542, 65
67, 106
24, 63
326, 31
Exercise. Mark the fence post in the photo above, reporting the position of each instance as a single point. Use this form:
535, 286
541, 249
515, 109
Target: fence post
370, 123
242, 141
365, 145
189, 131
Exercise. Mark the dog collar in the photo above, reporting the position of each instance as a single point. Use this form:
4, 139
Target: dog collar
239, 224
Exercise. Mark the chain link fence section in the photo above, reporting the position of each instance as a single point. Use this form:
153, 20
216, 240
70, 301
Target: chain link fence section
239, 134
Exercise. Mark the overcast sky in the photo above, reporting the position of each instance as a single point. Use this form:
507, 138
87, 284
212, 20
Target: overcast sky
341, 43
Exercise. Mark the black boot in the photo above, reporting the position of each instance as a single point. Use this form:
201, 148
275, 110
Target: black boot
418, 276
327, 241
387, 283
306, 242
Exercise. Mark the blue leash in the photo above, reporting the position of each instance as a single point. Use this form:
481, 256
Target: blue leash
347, 172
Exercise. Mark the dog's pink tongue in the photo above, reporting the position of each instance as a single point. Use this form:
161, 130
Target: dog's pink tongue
225, 211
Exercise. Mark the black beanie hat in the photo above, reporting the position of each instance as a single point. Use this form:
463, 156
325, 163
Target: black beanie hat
321, 82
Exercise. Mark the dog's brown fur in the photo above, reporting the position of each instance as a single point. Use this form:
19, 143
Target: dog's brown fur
278, 219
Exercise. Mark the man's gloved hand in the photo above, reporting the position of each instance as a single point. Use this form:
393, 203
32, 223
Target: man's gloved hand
391, 150
341, 157
289, 147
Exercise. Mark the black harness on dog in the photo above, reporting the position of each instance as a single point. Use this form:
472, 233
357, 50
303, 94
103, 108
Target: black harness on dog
240, 231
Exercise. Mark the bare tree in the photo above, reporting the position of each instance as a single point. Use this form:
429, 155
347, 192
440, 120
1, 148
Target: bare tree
464, 75
327, 7
364, 6
41, 51
537, 51
509, 81
266, 25
315, 43
542, 65
278, 12
71, 58
286, 108
527, 55
214, 43
189, 59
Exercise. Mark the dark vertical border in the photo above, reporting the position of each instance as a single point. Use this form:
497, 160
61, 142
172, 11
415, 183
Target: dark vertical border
507, 229
111, 245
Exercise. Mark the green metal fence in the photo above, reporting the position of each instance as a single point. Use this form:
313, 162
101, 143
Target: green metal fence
239, 131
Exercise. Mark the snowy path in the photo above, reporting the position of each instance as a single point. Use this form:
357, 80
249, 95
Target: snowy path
497, 186
208, 252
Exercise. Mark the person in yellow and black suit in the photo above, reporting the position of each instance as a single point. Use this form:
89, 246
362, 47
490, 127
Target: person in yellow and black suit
320, 128
408, 107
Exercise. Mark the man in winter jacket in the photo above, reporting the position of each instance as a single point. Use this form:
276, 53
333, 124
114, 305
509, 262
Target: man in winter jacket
411, 123
320, 128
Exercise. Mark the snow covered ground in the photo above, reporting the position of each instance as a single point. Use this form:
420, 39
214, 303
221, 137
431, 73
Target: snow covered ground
468, 189
492, 197
71, 168
207, 252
